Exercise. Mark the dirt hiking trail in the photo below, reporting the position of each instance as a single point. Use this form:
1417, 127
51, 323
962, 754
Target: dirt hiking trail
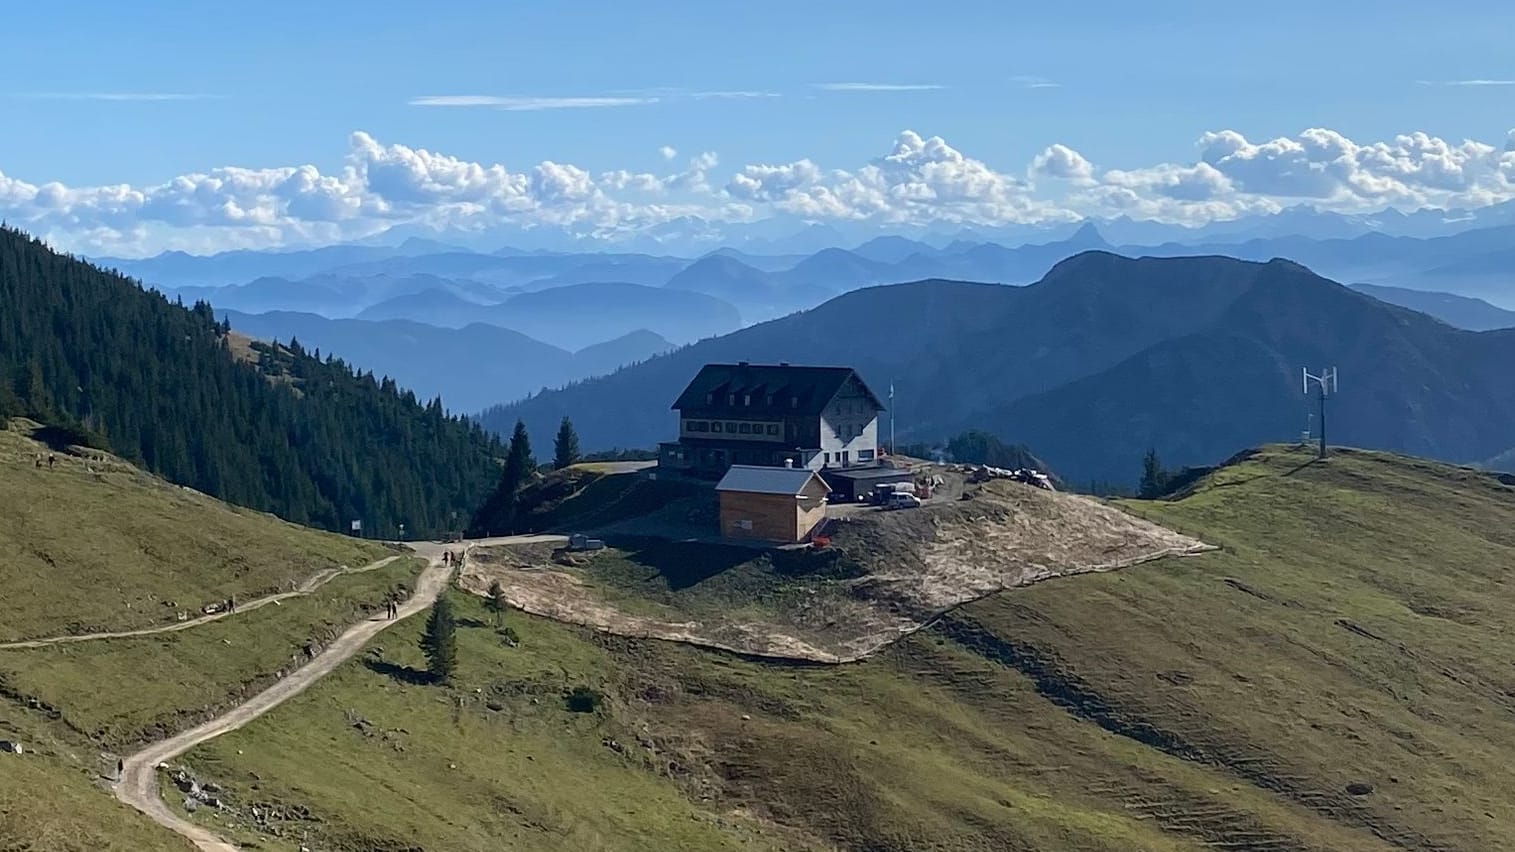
138, 784
311, 584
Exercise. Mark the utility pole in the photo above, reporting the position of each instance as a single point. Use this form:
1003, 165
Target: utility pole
1326, 383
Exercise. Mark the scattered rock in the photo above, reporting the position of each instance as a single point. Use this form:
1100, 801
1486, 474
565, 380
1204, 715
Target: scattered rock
495, 706
190, 805
1359, 788
746, 718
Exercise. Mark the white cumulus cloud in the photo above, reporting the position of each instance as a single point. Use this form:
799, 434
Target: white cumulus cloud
918, 179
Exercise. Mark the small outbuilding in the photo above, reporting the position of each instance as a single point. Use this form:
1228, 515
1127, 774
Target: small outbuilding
781, 504
851, 484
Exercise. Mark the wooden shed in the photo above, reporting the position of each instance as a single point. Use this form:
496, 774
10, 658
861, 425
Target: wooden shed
771, 503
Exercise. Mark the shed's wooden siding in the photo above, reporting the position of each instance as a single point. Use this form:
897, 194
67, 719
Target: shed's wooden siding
770, 517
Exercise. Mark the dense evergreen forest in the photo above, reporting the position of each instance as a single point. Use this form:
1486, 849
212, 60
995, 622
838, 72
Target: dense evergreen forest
274, 428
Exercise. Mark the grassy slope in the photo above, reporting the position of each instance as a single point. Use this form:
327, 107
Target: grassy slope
1226, 700
128, 537
1356, 628
123, 692
86, 552
497, 762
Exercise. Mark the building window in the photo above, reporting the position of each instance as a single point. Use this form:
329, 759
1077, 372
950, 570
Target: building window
715, 427
864, 455
747, 400
794, 402
773, 428
731, 428
731, 399
710, 399
770, 400
745, 429
825, 458
699, 426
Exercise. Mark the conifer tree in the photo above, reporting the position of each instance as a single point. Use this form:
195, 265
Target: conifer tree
1154, 478
565, 446
440, 641
273, 429
497, 602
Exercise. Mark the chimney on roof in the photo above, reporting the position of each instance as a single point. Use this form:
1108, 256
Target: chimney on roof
742, 363
788, 462
783, 363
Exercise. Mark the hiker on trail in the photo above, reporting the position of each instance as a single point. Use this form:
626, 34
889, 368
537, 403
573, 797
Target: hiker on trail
39, 460
52, 459
120, 768
231, 604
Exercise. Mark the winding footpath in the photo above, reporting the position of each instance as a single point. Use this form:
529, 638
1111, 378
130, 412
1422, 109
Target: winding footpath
314, 582
138, 784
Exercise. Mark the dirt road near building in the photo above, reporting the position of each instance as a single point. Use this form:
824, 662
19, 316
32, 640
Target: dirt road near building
138, 784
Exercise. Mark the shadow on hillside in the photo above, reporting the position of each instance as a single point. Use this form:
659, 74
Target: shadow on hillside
403, 674
1296, 469
471, 622
682, 563
60, 439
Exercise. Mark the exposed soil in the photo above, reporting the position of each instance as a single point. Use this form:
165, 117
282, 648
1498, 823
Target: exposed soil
907, 568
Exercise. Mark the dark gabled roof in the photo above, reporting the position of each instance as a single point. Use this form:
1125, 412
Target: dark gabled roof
752, 479
813, 387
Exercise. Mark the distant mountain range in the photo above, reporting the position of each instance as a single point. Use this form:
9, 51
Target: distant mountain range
1104, 357
693, 236
575, 315
469, 367
1457, 311
349, 279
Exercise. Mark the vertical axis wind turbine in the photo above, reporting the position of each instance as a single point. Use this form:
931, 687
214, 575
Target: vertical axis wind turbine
1326, 382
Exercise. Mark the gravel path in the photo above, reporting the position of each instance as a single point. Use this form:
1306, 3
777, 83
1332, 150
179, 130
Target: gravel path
138, 784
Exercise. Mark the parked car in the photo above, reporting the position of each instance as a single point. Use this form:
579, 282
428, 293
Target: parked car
902, 500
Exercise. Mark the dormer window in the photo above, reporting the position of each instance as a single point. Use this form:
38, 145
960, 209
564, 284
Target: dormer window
731, 399
747, 400
710, 399
794, 402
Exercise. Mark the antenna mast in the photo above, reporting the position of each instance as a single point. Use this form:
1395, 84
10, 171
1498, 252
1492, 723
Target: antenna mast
1326, 382
891, 417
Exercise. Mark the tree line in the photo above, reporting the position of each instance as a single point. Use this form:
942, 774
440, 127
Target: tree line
271, 427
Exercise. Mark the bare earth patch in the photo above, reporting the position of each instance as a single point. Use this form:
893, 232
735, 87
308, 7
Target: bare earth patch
902, 569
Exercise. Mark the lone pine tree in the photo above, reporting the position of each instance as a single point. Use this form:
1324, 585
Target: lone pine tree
440, 641
498, 514
497, 602
565, 446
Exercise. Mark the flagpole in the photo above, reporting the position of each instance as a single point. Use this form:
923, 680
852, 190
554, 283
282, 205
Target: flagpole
891, 417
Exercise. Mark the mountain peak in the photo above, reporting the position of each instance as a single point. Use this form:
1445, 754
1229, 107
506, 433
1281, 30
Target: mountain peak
1088, 235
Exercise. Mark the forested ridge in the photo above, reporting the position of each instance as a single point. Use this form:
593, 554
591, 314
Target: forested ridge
279, 430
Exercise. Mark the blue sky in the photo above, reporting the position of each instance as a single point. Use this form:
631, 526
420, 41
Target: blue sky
279, 84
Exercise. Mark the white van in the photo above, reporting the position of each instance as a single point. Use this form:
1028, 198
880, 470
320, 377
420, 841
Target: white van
902, 500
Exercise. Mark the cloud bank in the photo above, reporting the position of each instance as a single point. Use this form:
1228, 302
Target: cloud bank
918, 180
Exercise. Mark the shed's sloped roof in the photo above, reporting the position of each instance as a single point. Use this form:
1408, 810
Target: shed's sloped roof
811, 387
753, 479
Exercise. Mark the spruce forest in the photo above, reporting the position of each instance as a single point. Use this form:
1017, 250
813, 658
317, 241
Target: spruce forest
274, 428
